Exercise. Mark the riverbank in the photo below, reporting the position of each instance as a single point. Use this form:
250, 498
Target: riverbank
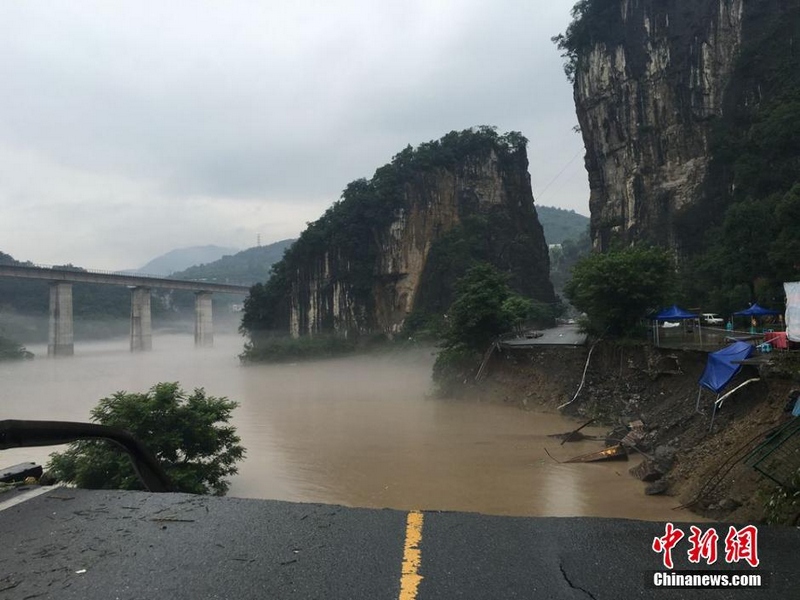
629, 383
357, 431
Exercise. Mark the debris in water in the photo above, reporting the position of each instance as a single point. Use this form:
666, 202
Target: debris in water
574, 435
617, 452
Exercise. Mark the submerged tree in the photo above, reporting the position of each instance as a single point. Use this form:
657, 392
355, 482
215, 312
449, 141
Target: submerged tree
188, 434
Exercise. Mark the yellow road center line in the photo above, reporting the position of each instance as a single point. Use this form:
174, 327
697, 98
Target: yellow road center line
412, 557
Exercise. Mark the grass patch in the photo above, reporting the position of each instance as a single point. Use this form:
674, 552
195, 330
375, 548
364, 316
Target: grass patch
11, 350
279, 349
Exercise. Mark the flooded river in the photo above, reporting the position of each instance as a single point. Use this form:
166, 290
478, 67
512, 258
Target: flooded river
357, 431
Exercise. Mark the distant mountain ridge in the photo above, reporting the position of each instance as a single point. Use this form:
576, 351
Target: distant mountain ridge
183, 258
560, 224
246, 267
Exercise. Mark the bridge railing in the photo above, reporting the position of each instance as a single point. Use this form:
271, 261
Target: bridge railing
93, 271
125, 273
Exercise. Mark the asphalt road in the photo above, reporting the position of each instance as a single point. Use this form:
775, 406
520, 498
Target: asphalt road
563, 335
77, 544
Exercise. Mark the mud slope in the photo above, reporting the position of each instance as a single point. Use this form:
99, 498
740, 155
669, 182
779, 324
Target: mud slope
629, 382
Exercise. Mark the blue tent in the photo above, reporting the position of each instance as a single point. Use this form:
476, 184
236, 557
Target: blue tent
674, 313
756, 311
720, 368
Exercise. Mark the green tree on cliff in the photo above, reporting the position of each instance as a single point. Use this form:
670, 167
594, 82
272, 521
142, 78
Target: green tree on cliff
477, 317
618, 288
749, 256
484, 308
340, 255
591, 21
784, 252
189, 435
745, 241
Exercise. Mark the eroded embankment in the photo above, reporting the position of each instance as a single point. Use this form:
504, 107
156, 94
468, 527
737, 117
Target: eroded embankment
659, 387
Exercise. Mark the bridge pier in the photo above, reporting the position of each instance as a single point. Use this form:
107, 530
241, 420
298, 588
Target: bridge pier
60, 338
203, 323
141, 324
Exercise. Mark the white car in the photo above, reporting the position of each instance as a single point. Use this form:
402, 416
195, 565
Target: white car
712, 319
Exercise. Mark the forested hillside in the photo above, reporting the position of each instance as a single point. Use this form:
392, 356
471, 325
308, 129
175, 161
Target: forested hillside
246, 267
565, 256
560, 224
184, 258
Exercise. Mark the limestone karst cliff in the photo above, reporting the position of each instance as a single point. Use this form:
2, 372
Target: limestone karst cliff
396, 243
658, 88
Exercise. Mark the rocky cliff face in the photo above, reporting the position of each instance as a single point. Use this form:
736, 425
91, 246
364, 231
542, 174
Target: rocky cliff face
396, 243
649, 89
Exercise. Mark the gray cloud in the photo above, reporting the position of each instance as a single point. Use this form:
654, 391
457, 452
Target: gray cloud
130, 128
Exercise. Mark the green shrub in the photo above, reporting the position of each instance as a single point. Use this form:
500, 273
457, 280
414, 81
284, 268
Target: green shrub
11, 350
618, 288
188, 434
455, 367
288, 349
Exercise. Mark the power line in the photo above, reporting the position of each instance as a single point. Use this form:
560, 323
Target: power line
564, 168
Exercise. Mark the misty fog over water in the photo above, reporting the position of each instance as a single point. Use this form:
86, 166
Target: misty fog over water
358, 431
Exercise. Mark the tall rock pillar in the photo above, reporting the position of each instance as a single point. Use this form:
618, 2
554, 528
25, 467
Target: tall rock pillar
141, 324
60, 341
650, 85
203, 324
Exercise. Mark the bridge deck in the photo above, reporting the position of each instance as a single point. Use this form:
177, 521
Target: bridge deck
55, 274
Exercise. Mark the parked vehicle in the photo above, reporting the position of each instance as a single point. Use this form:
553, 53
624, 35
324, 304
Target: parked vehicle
711, 319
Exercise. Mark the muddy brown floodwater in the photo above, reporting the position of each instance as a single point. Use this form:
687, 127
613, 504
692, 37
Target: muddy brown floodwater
357, 431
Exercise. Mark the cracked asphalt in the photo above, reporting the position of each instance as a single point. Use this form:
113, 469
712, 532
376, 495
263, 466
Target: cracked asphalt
79, 544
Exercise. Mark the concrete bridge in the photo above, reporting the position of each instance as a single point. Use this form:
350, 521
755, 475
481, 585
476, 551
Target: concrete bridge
60, 336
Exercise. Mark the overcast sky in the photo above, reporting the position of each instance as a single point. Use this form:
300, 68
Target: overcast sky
130, 128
